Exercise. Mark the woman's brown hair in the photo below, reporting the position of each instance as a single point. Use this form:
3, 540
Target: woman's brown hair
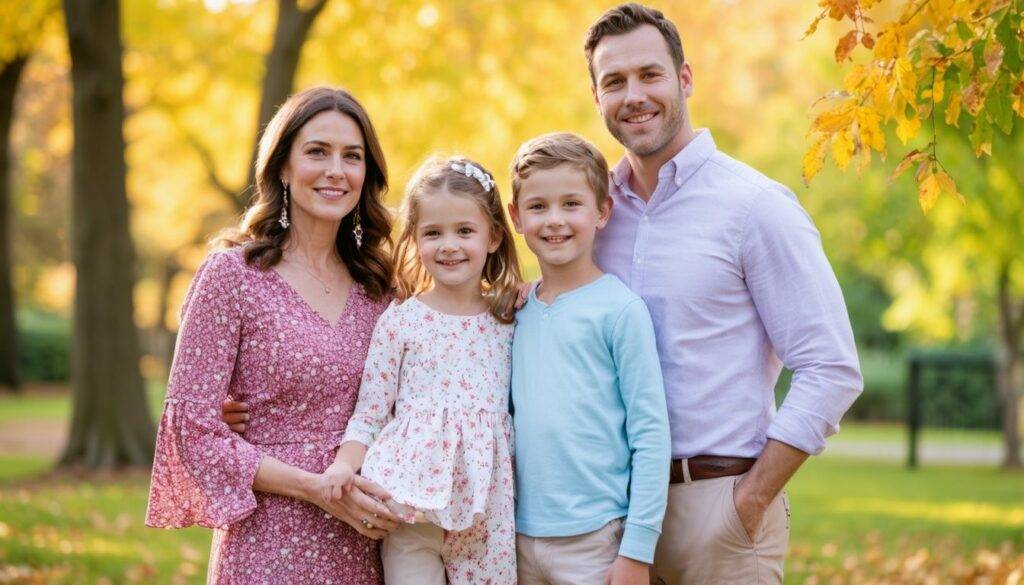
501, 275
262, 237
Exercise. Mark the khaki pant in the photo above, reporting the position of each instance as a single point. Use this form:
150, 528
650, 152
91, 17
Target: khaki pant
568, 560
703, 541
426, 554
412, 554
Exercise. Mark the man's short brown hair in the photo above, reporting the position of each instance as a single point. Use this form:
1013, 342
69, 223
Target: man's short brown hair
551, 150
627, 18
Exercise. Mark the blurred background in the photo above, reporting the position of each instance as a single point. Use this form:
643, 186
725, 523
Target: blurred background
923, 483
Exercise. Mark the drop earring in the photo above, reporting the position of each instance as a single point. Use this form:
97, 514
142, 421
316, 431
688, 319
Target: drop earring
284, 209
357, 229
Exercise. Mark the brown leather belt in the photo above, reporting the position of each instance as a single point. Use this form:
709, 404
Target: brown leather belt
708, 467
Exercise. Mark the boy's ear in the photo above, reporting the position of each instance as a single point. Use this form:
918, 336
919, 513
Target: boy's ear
513, 212
605, 210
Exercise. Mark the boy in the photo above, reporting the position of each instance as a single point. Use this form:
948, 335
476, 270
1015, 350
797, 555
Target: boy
592, 440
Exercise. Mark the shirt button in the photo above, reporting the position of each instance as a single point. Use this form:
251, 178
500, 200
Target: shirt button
679, 182
638, 260
644, 218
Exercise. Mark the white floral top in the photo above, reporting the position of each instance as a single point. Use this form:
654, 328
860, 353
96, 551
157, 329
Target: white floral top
433, 409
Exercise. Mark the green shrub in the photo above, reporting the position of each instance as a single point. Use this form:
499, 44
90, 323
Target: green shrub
44, 342
952, 398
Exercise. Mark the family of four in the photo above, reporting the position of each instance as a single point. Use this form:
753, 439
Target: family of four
333, 388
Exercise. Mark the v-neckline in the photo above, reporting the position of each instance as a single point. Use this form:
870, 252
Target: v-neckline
352, 290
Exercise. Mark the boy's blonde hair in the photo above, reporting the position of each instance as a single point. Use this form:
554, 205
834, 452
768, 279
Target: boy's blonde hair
558, 148
501, 275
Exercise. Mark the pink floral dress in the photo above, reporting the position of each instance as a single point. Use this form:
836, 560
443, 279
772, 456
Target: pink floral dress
433, 409
247, 334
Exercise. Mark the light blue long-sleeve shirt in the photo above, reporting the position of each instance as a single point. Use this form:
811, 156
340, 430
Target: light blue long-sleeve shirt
591, 428
734, 275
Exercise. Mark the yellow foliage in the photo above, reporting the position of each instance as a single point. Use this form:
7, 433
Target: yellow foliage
843, 148
928, 192
930, 44
907, 128
814, 159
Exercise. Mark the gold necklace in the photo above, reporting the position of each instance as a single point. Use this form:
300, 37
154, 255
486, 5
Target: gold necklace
327, 288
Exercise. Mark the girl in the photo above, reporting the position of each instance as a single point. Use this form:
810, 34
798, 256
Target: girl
432, 424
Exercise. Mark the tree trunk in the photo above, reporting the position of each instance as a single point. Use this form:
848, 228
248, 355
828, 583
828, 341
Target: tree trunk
1011, 367
110, 426
293, 24
10, 73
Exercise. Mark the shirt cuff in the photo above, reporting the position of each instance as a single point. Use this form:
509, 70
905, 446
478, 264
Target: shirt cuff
359, 435
638, 542
801, 429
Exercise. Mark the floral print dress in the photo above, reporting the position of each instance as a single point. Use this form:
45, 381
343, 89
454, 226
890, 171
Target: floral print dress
433, 410
248, 335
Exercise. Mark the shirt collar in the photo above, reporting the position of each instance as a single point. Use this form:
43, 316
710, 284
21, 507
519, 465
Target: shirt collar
679, 168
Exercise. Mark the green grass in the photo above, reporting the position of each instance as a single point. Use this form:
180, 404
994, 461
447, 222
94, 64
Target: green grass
57, 530
54, 403
846, 509
78, 532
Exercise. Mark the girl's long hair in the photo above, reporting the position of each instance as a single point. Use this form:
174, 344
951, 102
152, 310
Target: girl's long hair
262, 237
501, 276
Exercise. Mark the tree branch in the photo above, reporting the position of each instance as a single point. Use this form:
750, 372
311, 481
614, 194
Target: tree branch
206, 157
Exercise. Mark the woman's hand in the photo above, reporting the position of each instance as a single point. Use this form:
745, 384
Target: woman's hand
359, 506
524, 293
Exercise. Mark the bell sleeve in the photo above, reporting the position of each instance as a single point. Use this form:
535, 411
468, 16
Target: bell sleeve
202, 471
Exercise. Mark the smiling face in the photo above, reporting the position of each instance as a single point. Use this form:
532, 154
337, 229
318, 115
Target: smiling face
558, 213
639, 93
454, 237
325, 168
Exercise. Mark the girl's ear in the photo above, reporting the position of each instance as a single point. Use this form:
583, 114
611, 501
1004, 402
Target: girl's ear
496, 238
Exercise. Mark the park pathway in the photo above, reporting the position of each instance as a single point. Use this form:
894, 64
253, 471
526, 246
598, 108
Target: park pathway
929, 452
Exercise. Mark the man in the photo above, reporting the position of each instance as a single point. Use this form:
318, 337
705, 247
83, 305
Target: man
737, 284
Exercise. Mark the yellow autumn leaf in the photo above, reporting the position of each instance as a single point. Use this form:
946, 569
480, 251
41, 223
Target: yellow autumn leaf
909, 159
864, 159
890, 44
814, 159
928, 192
870, 126
938, 89
948, 185
906, 80
854, 78
834, 120
907, 128
842, 149
953, 109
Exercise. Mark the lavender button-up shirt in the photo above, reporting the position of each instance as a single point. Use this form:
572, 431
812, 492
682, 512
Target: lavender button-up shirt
737, 284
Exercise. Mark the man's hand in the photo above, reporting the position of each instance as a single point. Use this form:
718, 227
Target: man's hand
235, 414
759, 487
626, 571
749, 507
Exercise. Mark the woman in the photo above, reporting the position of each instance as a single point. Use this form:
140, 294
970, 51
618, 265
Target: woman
282, 319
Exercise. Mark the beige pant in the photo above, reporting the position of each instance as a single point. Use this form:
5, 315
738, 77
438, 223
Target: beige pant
412, 554
703, 541
426, 554
568, 560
